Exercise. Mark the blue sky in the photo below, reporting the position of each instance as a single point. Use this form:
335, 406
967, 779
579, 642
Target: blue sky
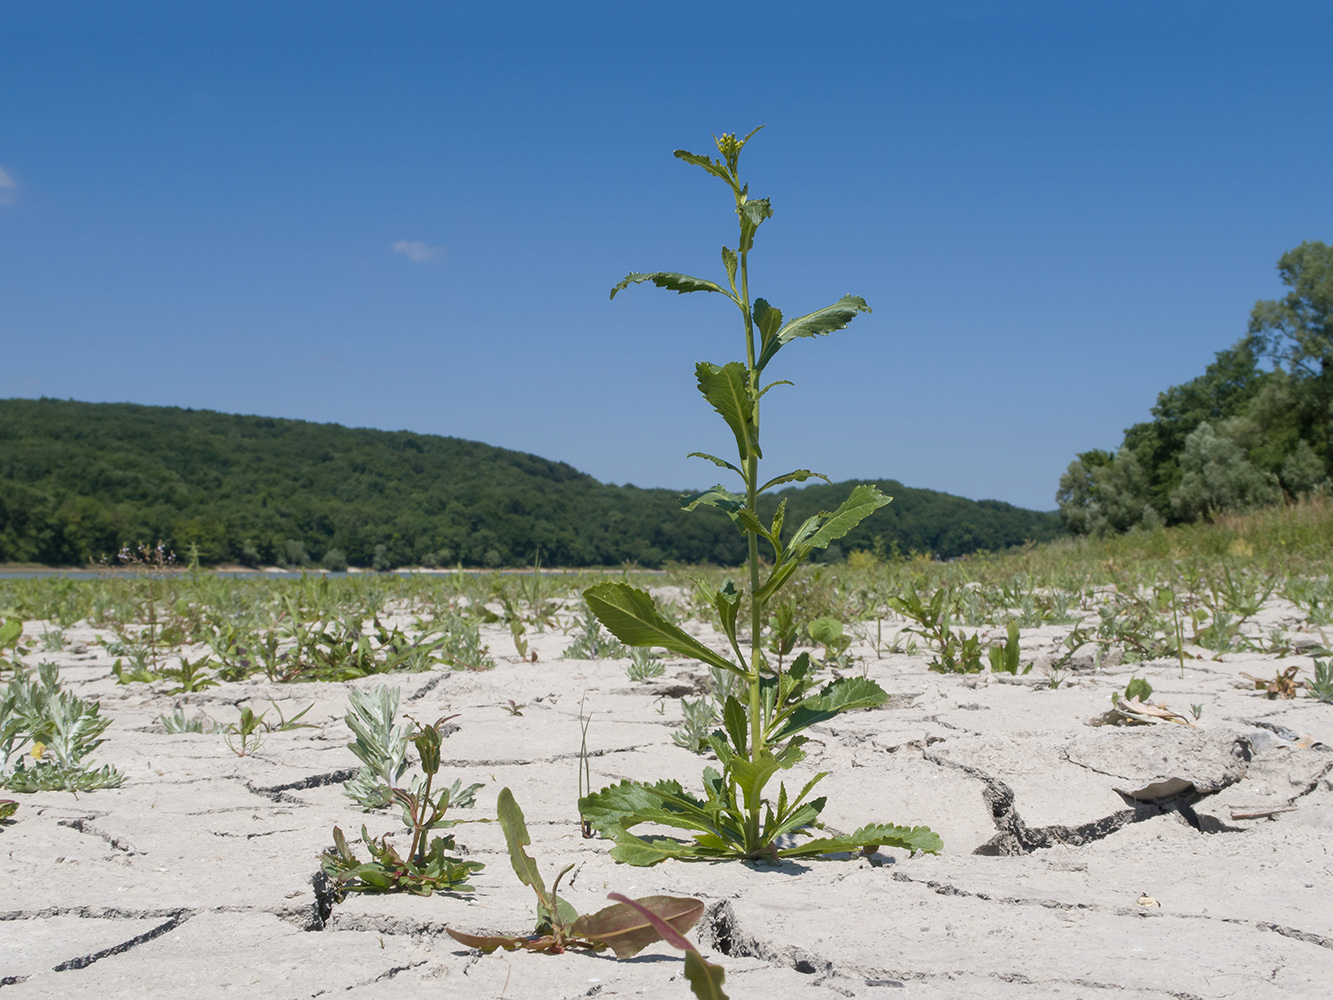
409, 215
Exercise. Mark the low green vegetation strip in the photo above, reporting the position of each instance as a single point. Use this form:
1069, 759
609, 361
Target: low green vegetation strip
80, 480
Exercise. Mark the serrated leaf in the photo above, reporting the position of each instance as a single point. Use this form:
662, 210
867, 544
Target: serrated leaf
863, 502
916, 838
749, 521
795, 476
727, 389
729, 261
714, 167
818, 323
752, 214
767, 319
644, 853
716, 461
839, 696
627, 929
672, 282
715, 496
632, 617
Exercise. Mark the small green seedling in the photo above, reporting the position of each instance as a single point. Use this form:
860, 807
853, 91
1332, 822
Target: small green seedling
1004, 656
761, 731
514, 708
705, 978
247, 736
177, 723
622, 927
190, 676
827, 632
7, 809
1321, 687
425, 869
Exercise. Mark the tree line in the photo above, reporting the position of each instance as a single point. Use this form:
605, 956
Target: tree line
1254, 429
80, 480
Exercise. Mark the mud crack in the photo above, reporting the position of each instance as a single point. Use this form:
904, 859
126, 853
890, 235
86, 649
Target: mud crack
277, 793
86, 960
82, 825
1015, 837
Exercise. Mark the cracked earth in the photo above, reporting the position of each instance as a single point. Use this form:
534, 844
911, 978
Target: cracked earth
1079, 862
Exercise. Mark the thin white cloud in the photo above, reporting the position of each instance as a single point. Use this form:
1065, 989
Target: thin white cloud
416, 251
7, 187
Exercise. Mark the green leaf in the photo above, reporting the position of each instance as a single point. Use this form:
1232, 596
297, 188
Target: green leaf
727, 389
643, 853
781, 381
818, 323
733, 718
1138, 687
752, 213
863, 502
753, 775
729, 261
916, 838
716, 461
632, 617
825, 630
716, 496
727, 603
627, 929
705, 978
516, 836
672, 282
841, 695
798, 476
9, 632
714, 167
767, 319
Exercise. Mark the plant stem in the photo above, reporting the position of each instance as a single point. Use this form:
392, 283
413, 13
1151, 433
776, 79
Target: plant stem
752, 796
419, 834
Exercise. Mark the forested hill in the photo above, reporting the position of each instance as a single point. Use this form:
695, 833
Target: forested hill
79, 480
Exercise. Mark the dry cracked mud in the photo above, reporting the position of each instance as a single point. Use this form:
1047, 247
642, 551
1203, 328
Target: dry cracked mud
1079, 862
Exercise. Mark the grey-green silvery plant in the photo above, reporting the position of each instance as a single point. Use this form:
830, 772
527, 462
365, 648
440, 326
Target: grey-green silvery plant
761, 732
382, 747
56, 729
643, 666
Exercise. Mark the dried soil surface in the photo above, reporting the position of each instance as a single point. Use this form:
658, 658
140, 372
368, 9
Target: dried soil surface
1079, 862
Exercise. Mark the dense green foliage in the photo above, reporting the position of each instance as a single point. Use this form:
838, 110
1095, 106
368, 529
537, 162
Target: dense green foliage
1237, 437
79, 480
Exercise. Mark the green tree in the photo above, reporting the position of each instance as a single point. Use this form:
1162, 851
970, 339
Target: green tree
1297, 333
1217, 477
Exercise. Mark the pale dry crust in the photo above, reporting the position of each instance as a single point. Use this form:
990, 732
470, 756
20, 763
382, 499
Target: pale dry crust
197, 877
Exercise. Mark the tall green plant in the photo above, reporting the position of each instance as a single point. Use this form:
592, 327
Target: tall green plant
761, 734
